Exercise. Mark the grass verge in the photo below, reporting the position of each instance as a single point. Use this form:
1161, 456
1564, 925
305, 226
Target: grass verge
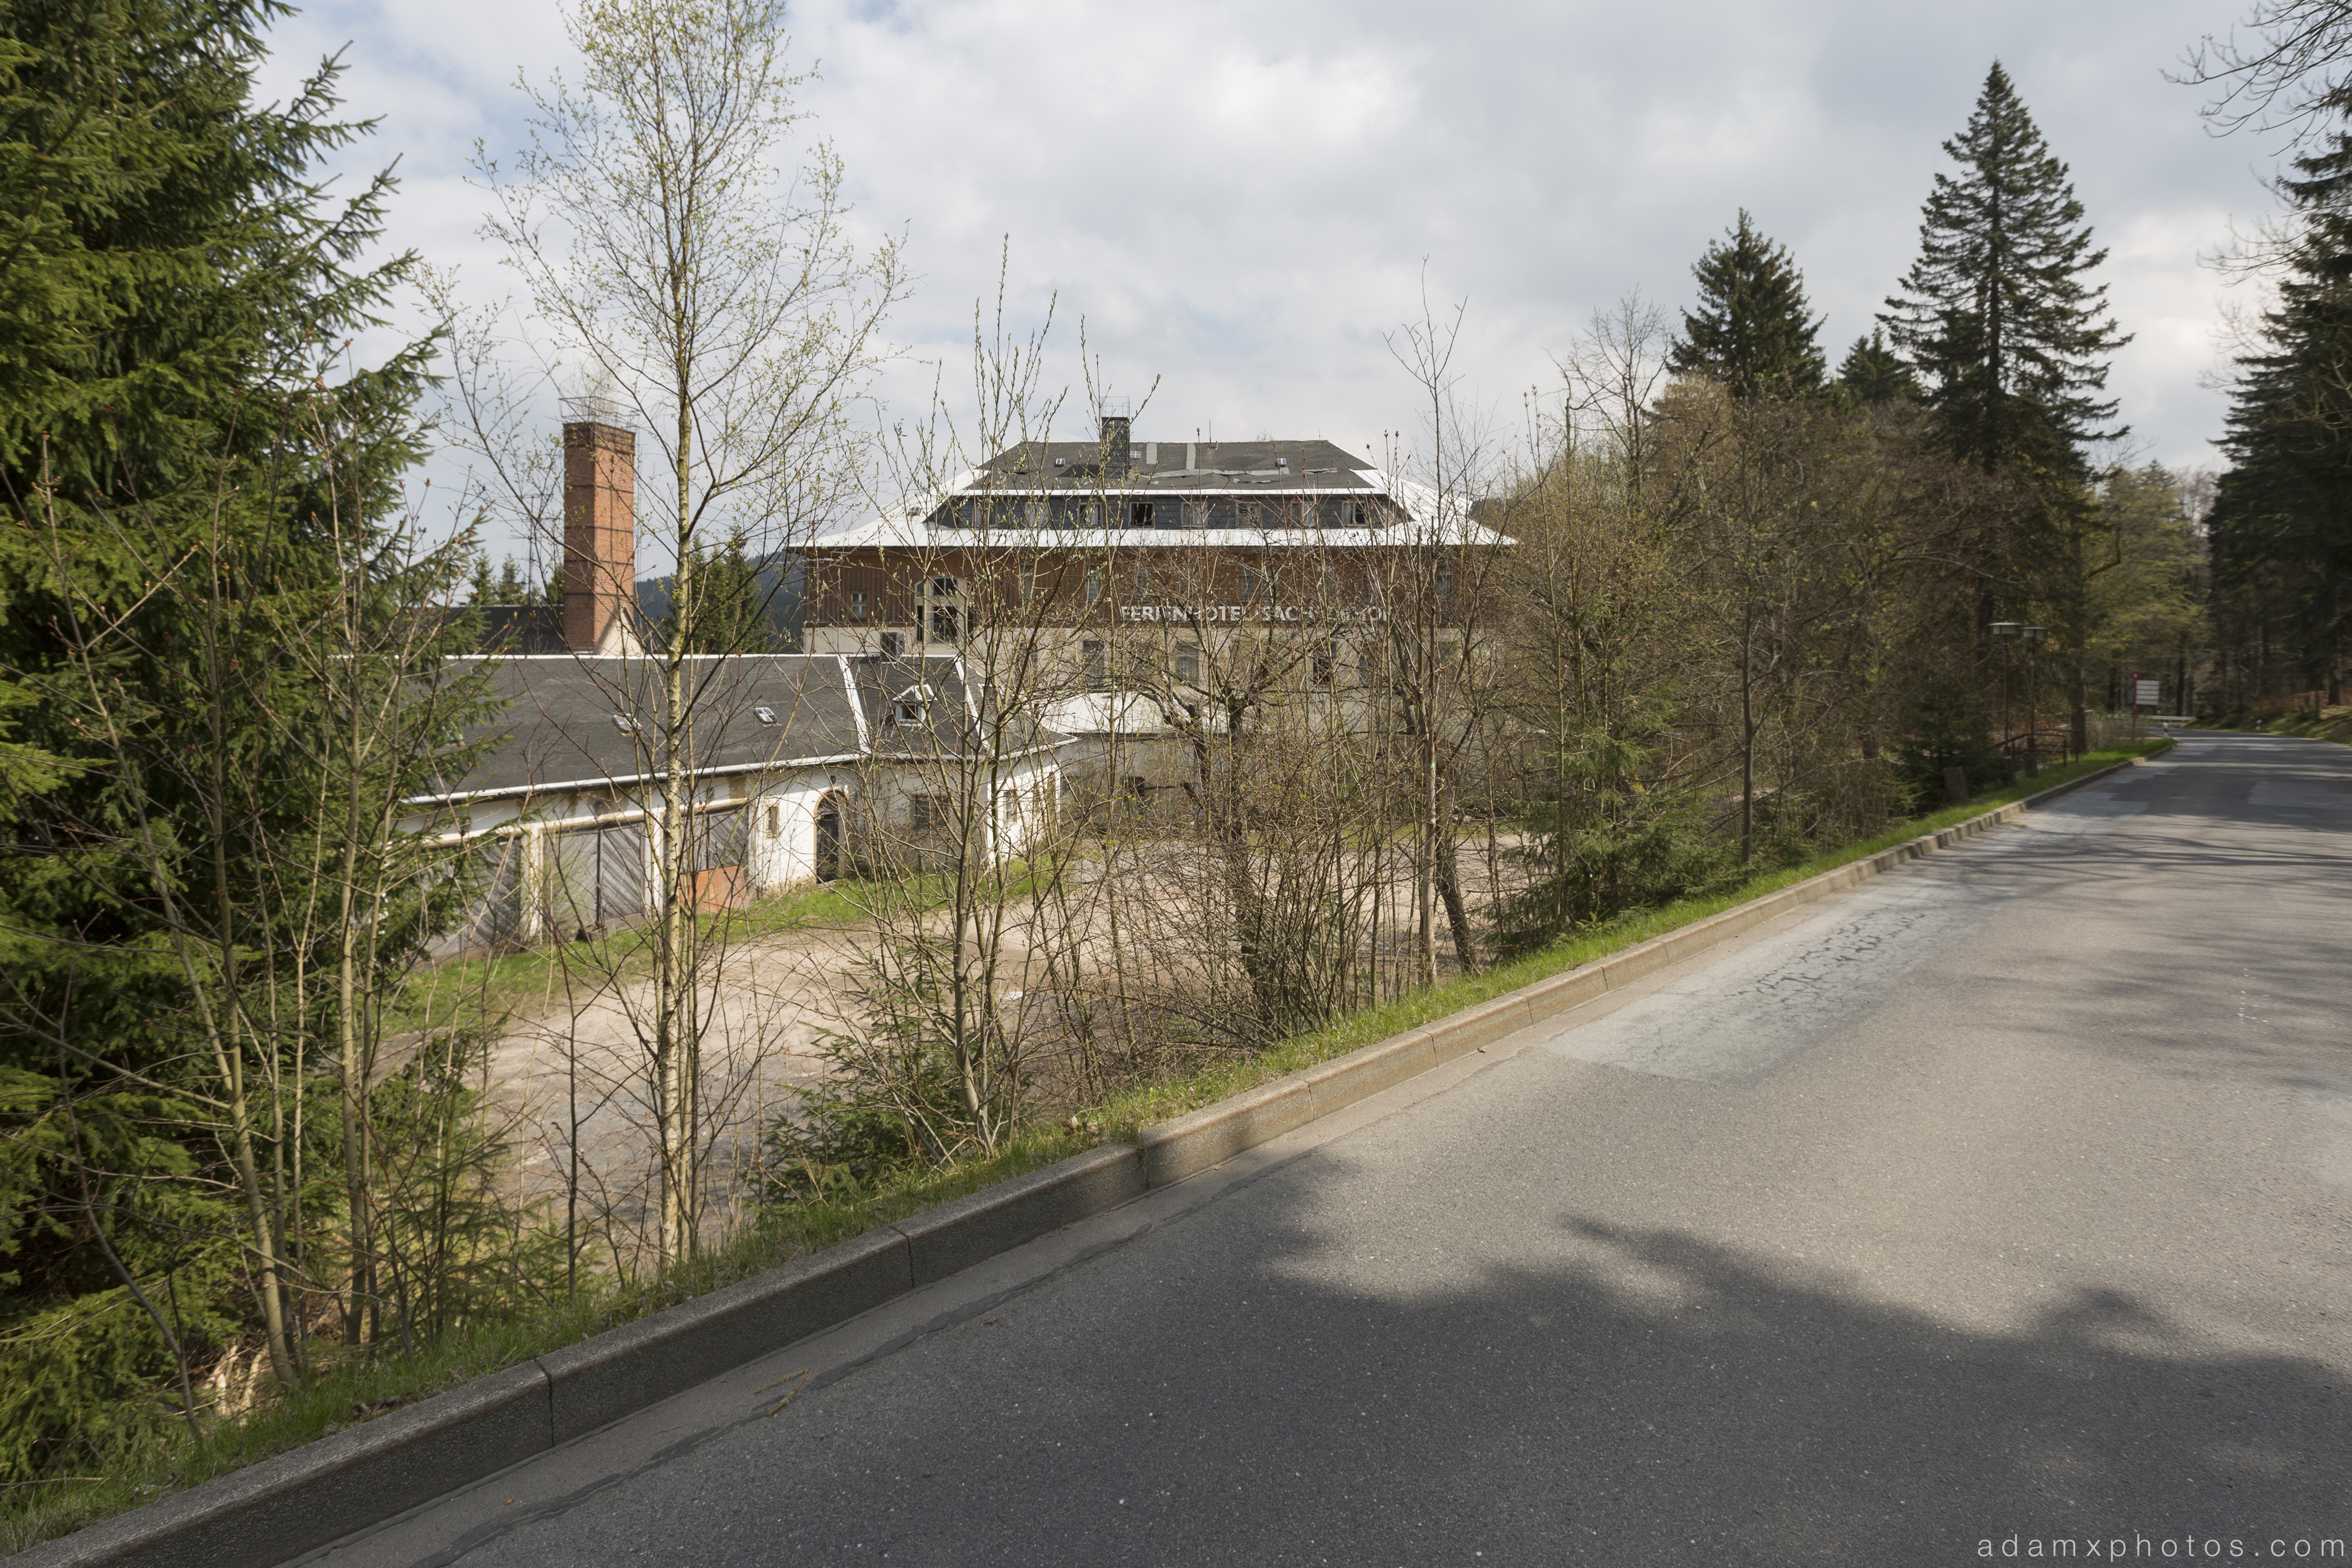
343, 1396
2328, 724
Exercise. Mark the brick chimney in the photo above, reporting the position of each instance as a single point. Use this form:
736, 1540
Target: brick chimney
600, 538
1118, 429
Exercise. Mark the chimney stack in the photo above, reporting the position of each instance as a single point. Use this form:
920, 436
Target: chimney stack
1116, 423
600, 538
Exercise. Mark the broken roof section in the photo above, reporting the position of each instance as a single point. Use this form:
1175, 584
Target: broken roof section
587, 721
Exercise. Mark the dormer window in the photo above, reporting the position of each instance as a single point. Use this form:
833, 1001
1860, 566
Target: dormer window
909, 705
625, 724
764, 715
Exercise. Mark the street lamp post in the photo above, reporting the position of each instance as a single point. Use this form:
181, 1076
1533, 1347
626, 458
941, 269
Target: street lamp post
2002, 632
2033, 635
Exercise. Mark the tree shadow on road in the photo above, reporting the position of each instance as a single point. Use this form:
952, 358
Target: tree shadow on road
1645, 1396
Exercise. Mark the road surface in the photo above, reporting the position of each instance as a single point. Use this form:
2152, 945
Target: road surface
2001, 1203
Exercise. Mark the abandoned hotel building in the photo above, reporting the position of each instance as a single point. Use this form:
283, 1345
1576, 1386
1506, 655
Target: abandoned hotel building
1109, 580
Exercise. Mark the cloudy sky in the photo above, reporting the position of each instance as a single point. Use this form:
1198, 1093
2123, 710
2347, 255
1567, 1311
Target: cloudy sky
1241, 200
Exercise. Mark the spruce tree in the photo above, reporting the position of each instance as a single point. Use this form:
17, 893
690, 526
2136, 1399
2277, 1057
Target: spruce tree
204, 562
1874, 374
2282, 521
1751, 330
1997, 313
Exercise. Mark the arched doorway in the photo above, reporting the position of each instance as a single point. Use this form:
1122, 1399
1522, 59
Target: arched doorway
831, 811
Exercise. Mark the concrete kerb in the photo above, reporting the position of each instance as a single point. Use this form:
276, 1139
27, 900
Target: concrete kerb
953, 1237
341, 1484
598, 1381
295, 1501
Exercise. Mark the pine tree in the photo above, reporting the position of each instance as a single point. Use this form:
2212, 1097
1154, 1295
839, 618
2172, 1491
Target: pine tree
1874, 374
1751, 332
730, 609
205, 513
2282, 543
1997, 313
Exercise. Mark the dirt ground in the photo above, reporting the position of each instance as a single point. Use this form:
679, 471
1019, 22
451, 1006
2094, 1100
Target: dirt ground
571, 1074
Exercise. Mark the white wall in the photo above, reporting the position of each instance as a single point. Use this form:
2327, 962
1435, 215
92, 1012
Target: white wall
789, 854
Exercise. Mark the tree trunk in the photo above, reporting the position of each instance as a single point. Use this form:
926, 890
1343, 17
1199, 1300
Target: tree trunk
1449, 887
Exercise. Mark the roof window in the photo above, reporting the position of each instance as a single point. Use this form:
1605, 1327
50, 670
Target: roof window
908, 706
625, 724
764, 715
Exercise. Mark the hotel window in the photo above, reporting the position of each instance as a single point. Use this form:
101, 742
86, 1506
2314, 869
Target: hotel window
927, 811
1320, 666
857, 606
1188, 664
1037, 513
894, 645
1248, 515
1028, 581
1196, 514
943, 617
1140, 516
1143, 580
1094, 584
1095, 670
1094, 515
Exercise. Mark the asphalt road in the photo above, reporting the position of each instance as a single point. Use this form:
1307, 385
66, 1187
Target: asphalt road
2007, 1197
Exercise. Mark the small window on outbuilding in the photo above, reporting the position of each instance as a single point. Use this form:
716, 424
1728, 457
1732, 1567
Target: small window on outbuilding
909, 705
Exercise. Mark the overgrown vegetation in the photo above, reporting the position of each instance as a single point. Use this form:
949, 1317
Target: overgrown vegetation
881, 1178
1714, 620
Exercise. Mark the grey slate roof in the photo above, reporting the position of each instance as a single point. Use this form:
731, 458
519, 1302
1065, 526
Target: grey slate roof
559, 728
1222, 466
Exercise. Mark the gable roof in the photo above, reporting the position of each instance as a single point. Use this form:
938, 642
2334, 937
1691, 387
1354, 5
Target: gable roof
585, 722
